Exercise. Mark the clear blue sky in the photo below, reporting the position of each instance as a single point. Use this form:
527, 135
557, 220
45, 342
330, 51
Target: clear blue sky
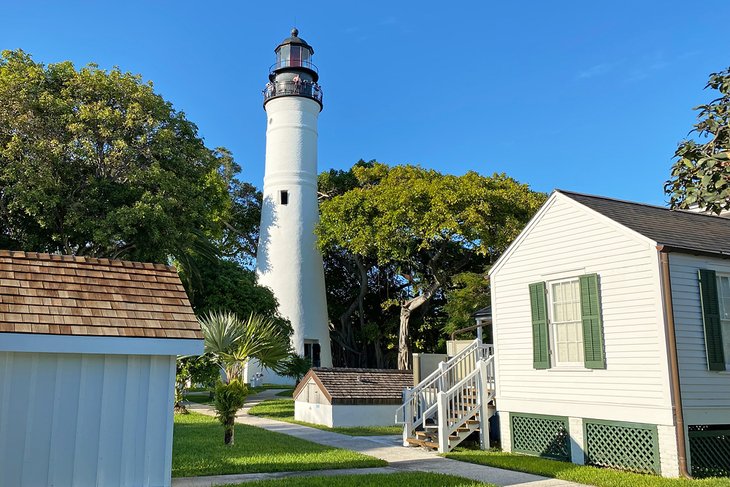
582, 95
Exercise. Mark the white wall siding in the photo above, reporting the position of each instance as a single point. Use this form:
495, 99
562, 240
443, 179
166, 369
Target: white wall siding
364, 414
705, 393
314, 413
85, 420
567, 240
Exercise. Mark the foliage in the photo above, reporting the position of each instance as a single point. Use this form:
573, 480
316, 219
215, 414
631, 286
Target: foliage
241, 228
283, 410
196, 451
195, 370
229, 398
94, 162
182, 376
295, 366
231, 342
602, 477
469, 292
701, 174
428, 227
398, 479
226, 285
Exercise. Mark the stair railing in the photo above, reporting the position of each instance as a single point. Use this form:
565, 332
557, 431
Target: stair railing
463, 401
421, 402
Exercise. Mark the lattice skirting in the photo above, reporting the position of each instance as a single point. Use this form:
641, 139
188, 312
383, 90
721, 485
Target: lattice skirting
625, 446
546, 436
709, 449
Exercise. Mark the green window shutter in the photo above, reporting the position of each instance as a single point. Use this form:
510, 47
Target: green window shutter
540, 348
590, 311
711, 319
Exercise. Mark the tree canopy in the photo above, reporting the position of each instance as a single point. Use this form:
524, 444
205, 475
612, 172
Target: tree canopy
701, 175
428, 226
94, 162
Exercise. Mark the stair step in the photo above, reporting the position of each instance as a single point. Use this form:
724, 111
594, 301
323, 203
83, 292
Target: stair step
424, 443
426, 434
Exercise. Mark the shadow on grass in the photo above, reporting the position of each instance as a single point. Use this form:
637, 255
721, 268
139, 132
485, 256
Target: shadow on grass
601, 477
198, 449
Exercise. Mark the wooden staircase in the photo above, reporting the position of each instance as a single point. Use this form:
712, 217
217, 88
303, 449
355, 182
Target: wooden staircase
448, 405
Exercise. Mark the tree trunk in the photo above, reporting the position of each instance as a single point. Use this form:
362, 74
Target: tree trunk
348, 336
404, 349
229, 430
404, 346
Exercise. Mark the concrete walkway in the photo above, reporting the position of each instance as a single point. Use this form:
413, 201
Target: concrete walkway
388, 448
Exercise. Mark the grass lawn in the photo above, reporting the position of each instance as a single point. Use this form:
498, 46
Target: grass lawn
602, 477
283, 410
406, 479
287, 393
198, 449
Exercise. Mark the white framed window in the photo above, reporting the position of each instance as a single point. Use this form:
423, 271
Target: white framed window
566, 327
723, 294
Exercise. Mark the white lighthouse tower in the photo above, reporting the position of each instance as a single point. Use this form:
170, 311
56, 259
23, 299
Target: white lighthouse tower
288, 260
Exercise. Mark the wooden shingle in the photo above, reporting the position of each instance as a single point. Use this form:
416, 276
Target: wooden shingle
359, 386
69, 295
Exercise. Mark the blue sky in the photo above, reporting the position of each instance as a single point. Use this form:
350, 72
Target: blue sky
581, 95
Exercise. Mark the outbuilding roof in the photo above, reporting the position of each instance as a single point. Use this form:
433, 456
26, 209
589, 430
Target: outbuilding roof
67, 295
678, 230
359, 386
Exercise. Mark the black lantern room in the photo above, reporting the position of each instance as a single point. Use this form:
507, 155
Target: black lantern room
293, 73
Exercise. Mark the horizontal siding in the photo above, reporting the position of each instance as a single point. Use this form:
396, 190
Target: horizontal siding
72, 419
701, 388
569, 240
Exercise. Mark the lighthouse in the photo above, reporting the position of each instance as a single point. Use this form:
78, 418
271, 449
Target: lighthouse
288, 260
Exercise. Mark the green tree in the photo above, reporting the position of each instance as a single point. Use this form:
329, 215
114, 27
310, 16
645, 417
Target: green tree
229, 398
428, 225
226, 285
469, 292
701, 175
231, 343
94, 162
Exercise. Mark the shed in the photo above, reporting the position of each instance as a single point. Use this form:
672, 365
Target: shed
350, 397
87, 369
612, 336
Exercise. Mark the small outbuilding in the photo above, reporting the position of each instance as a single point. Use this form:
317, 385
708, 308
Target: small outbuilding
87, 369
350, 397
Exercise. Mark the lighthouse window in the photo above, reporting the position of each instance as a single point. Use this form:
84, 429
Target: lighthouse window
284, 197
312, 352
296, 56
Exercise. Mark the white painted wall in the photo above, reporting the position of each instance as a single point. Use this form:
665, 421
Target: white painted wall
313, 413
288, 261
705, 393
364, 415
83, 420
345, 415
567, 239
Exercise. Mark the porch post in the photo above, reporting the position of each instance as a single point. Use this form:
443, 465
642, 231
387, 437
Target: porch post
484, 405
443, 430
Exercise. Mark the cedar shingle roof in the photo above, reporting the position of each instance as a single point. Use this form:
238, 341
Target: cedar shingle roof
67, 295
679, 230
360, 386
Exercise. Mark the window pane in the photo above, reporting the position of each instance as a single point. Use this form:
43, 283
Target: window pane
296, 57
283, 56
566, 322
723, 289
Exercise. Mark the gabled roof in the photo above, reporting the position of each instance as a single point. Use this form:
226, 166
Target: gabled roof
359, 386
67, 295
678, 230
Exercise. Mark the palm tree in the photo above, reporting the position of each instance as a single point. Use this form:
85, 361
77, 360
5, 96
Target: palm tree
231, 343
